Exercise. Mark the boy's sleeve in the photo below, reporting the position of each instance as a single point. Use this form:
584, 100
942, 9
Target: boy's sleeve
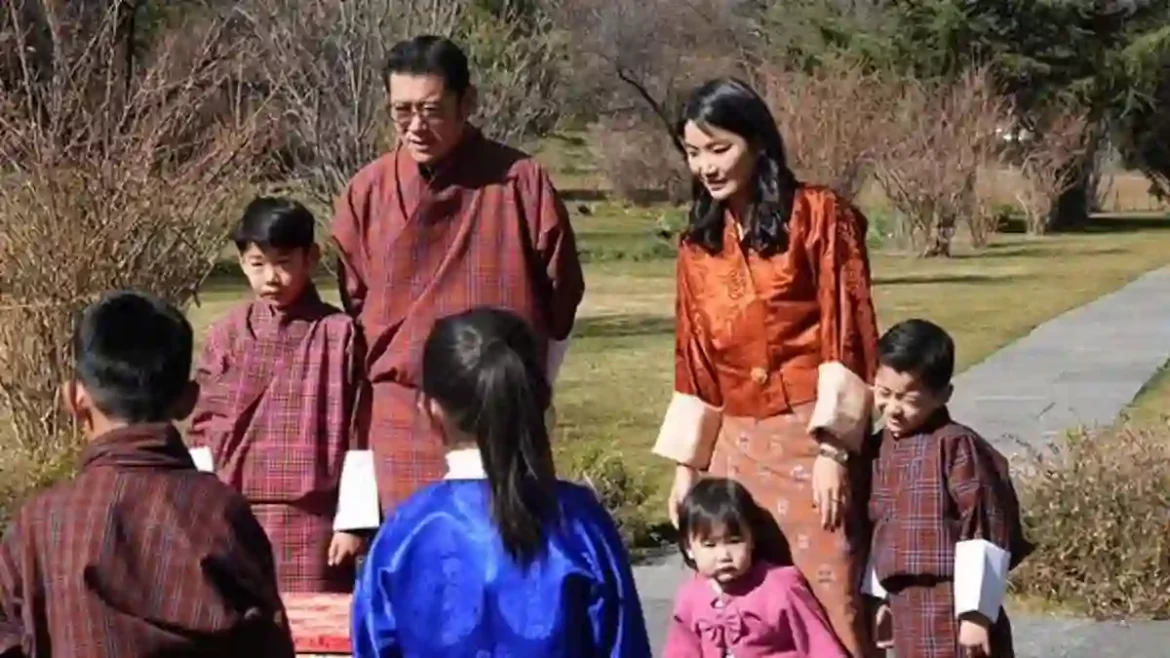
357, 504
979, 482
11, 595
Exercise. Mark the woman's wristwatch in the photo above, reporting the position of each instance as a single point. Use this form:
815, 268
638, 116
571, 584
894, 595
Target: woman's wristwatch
832, 452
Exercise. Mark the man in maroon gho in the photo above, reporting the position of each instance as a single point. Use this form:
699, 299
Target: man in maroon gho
447, 221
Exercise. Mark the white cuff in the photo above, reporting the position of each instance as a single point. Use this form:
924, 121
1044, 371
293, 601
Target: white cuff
689, 431
870, 585
554, 358
981, 571
357, 500
203, 459
843, 407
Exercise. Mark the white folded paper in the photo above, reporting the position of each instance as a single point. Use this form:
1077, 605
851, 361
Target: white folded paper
981, 573
202, 458
357, 503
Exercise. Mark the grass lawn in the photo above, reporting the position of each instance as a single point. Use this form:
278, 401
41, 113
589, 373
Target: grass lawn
1152, 404
617, 379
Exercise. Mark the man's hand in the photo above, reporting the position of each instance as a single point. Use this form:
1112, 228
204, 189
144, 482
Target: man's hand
974, 636
344, 546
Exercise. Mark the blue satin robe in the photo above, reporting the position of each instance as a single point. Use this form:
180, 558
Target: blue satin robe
437, 583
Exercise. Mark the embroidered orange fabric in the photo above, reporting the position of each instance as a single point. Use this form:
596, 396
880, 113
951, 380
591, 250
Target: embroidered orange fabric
751, 330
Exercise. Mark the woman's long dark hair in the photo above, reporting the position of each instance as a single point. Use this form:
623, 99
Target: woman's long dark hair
483, 368
730, 104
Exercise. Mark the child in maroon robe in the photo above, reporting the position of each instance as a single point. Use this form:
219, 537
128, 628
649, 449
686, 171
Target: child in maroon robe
946, 519
139, 554
279, 376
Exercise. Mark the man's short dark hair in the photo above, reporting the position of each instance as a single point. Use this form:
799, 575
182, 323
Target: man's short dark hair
133, 356
274, 222
430, 55
921, 348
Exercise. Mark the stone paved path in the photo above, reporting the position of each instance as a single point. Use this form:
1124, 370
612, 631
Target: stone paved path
1079, 369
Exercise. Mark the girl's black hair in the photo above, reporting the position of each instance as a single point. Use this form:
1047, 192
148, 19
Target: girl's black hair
730, 104
483, 368
719, 504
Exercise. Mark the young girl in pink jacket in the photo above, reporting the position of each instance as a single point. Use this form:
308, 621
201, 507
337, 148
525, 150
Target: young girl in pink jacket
739, 604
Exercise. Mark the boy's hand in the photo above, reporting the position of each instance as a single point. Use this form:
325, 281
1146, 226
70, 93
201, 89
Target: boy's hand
344, 546
883, 627
974, 636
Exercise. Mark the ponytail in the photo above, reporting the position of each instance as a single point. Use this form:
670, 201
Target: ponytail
513, 441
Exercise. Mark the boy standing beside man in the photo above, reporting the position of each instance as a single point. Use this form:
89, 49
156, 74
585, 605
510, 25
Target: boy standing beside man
279, 377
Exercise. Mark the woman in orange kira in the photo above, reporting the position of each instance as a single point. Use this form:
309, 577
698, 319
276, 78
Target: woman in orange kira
776, 341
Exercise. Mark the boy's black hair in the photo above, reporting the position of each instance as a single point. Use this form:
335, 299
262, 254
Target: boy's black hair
921, 348
133, 356
726, 505
275, 222
430, 55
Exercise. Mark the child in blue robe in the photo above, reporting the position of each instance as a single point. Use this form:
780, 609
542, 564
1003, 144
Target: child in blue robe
500, 558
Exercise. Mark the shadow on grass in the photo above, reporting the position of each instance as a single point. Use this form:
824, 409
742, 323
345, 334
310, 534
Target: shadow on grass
931, 279
1039, 248
1100, 223
617, 326
1123, 223
647, 197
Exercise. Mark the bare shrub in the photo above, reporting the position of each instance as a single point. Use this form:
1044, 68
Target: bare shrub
108, 183
828, 119
326, 58
1049, 168
934, 145
623, 492
637, 159
984, 218
1096, 507
647, 54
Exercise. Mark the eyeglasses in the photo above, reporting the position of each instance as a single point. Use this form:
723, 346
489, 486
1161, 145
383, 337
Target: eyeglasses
428, 113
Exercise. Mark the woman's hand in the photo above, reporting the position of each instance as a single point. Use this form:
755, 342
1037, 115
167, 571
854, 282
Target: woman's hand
685, 477
830, 488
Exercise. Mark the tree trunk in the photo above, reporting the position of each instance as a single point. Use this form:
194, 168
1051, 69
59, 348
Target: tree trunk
1073, 206
938, 241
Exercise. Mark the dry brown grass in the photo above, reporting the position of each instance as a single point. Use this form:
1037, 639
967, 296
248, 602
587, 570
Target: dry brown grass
1085, 504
